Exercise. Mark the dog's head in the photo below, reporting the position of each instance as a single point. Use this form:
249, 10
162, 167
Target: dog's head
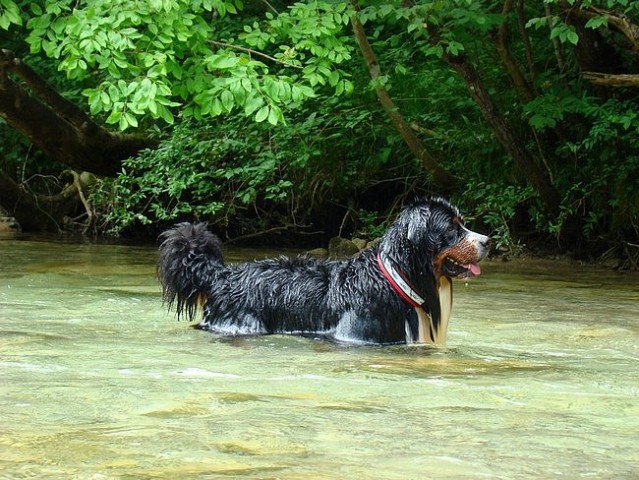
429, 235
430, 246
457, 250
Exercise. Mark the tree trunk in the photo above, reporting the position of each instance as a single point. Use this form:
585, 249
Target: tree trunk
65, 133
502, 43
58, 127
509, 139
430, 164
525, 39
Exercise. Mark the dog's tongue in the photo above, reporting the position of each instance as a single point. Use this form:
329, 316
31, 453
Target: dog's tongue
474, 268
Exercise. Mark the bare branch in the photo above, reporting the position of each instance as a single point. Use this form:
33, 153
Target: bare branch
612, 80
250, 51
616, 19
271, 7
555, 41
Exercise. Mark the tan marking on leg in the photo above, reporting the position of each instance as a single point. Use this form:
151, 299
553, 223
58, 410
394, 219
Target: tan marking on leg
423, 326
445, 294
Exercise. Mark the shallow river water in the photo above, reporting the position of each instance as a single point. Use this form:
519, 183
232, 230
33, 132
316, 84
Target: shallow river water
540, 379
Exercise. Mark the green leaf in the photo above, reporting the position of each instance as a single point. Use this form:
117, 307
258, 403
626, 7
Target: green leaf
130, 119
333, 78
262, 114
596, 22
35, 8
227, 100
252, 104
9, 14
223, 61
273, 116
166, 114
114, 117
123, 124
216, 107
573, 37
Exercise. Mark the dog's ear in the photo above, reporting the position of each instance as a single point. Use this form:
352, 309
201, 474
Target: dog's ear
414, 233
418, 225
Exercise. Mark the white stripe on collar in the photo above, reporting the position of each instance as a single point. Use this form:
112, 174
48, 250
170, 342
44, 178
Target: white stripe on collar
395, 278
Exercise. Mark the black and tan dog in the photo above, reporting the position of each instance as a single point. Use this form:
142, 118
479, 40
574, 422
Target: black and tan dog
397, 292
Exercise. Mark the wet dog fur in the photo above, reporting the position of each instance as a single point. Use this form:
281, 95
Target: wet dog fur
353, 300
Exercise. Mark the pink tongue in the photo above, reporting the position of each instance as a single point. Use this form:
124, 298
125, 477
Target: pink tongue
474, 268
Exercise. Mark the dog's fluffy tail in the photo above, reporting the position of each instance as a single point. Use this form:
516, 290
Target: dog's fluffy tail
189, 257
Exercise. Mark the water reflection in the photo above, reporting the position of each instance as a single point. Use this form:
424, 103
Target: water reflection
96, 381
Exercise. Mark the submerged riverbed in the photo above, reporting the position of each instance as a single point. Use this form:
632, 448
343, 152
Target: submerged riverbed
97, 381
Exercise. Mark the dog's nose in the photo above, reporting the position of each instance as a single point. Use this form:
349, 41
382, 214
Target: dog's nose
483, 244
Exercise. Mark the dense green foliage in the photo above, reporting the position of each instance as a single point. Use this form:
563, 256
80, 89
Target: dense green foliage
146, 57
250, 176
268, 115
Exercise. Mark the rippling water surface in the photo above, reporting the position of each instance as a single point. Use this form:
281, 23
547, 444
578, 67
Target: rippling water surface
540, 380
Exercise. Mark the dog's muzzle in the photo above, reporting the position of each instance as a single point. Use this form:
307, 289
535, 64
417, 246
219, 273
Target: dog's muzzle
462, 260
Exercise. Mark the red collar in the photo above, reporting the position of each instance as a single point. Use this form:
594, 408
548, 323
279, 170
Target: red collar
398, 281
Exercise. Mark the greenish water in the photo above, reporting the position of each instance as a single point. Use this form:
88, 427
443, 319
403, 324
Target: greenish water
540, 380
